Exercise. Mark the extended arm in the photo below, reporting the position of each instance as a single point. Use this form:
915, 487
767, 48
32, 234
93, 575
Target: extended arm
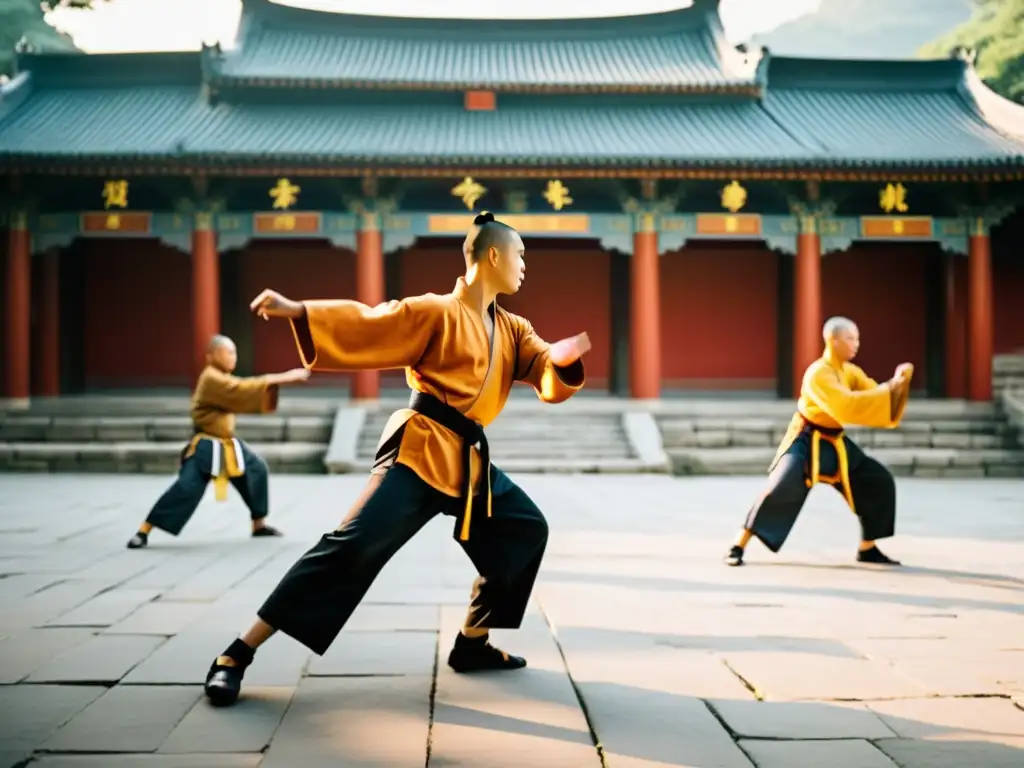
349, 335
256, 394
534, 366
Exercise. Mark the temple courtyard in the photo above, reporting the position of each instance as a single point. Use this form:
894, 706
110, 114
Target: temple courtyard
644, 650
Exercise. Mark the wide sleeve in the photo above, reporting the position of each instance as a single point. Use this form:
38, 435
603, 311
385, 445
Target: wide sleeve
554, 383
349, 335
859, 380
866, 408
235, 394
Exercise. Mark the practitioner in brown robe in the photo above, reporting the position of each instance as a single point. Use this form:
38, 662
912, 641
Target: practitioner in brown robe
214, 452
834, 394
462, 353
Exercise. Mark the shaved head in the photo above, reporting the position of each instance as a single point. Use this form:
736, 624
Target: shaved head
222, 353
494, 251
836, 325
218, 341
842, 338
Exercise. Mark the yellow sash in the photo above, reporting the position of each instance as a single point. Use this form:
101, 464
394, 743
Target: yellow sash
226, 463
796, 426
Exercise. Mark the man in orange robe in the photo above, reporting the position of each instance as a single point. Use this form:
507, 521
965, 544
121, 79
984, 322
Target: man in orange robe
834, 394
214, 452
462, 353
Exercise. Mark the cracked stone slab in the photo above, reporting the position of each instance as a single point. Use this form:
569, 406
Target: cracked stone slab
32, 712
955, 752
24, 652
358, 722
249, 728
796, 676
147, 761
105, 609
159, 618
127, 718
378, 653
103, 659
845, 753
800, 720
938, 718
513, 718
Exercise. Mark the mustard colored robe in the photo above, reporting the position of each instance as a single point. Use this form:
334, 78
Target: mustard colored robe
443, 344
835, 395
218, 396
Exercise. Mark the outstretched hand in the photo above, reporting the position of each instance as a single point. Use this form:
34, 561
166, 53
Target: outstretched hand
272, 304
568, 351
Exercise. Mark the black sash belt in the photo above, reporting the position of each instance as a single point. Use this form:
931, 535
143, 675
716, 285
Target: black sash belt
471, 433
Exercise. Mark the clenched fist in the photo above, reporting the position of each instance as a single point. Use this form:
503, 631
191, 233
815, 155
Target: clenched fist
272, 304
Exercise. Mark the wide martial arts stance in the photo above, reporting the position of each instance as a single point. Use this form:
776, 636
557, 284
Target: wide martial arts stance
214, 452
834, 394
462, 353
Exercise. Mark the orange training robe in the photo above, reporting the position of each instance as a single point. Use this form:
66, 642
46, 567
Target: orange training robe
443, 345
835, 395
216, 400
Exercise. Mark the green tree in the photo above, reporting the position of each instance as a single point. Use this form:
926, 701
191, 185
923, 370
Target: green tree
996, 32
26, 19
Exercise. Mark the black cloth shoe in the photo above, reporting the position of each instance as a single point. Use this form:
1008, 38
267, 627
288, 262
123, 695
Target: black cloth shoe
223, 681
735, 556
478, 655
138, 541
876, 556
266, 530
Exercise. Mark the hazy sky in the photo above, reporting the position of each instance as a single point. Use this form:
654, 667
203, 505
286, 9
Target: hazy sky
147, 25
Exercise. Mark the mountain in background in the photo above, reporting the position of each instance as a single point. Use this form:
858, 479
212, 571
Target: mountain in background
867, 29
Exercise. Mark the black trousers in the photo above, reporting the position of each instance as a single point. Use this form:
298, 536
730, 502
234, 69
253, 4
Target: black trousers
871, 485
177, 505
319, 593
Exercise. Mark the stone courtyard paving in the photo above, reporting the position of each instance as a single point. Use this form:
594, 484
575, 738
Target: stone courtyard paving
639, 640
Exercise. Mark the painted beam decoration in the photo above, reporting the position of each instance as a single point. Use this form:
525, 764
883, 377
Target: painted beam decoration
114, 194
286, 223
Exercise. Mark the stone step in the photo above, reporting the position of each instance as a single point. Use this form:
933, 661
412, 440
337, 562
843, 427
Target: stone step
879, 439
134, 404
145, 457
918, 462
175, 429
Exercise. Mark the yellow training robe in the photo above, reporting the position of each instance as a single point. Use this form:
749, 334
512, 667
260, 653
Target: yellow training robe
217, 398
835, 395
443, 345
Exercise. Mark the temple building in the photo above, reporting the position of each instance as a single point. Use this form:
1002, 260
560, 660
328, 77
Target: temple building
697, 208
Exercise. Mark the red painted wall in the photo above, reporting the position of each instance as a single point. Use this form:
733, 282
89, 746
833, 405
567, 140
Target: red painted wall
3, 309
300, 269
138, 314
882, 288
718, 317
566, 291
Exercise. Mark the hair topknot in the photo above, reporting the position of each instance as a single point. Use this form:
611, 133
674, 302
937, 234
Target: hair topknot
483, 218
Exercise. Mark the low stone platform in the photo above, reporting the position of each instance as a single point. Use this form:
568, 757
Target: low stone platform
644, 650
936, 439
145, 435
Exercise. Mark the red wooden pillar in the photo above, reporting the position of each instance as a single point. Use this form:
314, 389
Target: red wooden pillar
46, 381
807, 341
17, 349
645, 314
370, 291
979, 314
956, 339
205, 288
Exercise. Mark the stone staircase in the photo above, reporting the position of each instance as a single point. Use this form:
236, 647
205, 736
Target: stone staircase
1008, 373
146, 434
527, 437
936, 439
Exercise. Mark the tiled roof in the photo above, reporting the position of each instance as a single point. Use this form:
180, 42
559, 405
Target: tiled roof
815, 115
675, 50
919, 113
